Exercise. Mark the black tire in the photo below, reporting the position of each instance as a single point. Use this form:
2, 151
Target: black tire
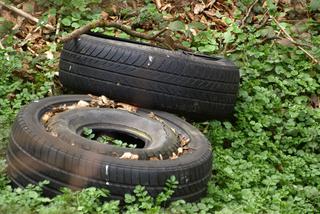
67, 160
192, 85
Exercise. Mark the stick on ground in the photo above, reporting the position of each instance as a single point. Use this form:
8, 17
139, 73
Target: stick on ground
26, 15
105, 23
294, 42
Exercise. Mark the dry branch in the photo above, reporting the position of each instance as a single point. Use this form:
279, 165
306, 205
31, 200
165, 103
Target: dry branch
294, 42
243, 21
26, 15
105, 23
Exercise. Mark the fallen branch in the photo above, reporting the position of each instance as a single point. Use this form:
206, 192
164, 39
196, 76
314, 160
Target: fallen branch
294, 42
26, 15
265, 19
248, 13
105, 23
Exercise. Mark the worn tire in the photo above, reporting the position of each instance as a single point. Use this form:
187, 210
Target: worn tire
192, 85
67, 160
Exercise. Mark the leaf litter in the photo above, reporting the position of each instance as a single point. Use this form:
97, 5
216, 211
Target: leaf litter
104, 102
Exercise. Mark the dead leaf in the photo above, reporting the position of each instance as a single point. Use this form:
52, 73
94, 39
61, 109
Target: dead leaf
198, 8
209, 13
315, 102
204, 20
193, 31
45, 118
129, 156
285, 42
153, 158
184, 140
127, 107
174, 156
191, 16
158, 4
49, 55
101, 101
168, 17
54, 134
167, 6
104, 15
82, 104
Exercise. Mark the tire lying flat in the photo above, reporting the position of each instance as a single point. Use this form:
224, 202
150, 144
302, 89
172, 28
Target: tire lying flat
192, 85
69, 160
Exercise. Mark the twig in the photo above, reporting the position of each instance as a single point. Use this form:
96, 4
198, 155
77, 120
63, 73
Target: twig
58, 28
159, 33
19, 23
158, 4
32, 51
264, 20
248, 13
292, 40
1, 46
26, 15
105, 23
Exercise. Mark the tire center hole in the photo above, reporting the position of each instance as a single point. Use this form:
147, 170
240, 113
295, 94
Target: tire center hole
113, 137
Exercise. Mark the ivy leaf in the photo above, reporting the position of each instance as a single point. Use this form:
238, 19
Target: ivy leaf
207, 48
176, 26
66, 21
75, 25
228, 37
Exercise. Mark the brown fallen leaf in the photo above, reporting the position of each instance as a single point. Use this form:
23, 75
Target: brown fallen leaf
315, 102
199, 8
174, 156
54, 134
45, 118
82, 104
153, 158
158, 4
210, 13
127, 107
129, 156
184, 140
167, 6
101, 101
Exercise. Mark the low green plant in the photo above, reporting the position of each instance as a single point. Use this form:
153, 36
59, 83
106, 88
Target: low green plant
104, 139
266, 159
142, 202
88, 133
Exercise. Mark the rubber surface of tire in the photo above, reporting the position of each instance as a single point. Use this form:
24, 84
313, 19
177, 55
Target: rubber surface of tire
193, 85
34, 155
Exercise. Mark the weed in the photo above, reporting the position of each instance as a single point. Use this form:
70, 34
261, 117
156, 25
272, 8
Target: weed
104, 139
266, 161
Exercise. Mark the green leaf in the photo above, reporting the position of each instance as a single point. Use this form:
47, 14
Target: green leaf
315, 5
66, 21
207, 48
228, 37
176, 26
129, 198
75, 25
